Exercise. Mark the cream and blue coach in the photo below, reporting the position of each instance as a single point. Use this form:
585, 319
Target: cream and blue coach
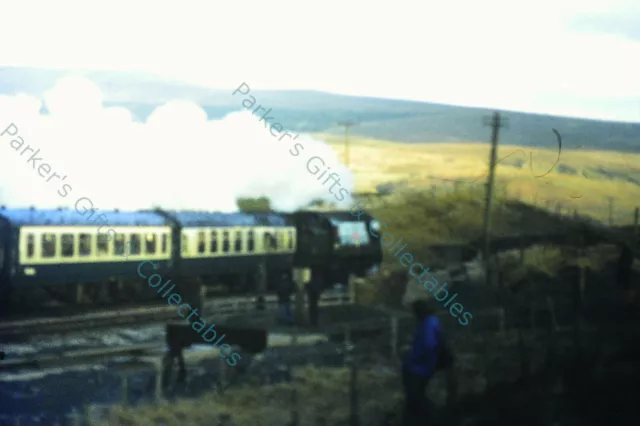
232, 244
54, 247
49, 247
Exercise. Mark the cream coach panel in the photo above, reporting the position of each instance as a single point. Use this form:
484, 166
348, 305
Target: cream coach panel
33, 236
286, 237
192, 239
281, 236
294, 240
291, 238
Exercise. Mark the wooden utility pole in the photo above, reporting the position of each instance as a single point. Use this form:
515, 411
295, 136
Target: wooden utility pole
496, 123
347, 125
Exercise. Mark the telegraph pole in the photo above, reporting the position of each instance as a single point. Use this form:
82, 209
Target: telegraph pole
496, 122
347, 125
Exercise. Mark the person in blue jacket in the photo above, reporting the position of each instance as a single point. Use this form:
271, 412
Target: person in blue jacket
420, 363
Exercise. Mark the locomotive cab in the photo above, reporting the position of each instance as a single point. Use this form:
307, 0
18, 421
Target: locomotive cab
337, 241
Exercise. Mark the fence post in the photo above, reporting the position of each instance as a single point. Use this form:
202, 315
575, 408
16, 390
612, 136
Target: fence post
124, 386
394, 337
354, 418
222, 378
352, 287
295, 415
158, 385
86, 414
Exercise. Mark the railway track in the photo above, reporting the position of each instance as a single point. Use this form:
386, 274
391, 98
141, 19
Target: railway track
135, 316
76, 357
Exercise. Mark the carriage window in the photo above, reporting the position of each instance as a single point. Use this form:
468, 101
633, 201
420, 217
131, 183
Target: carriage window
150, 244
185, 244
225, 241
118, 245
103, 244
277, 240
201, 242
135, 244
290, 240
30, 245
48, 245
164, 243
84, 243
67, 244
214, 242
238, 242
250, 241
270, 241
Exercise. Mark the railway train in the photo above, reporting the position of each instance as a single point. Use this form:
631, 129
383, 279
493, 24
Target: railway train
55, 248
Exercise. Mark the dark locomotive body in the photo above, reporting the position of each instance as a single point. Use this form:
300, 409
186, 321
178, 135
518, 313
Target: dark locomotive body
52, 248
336, 243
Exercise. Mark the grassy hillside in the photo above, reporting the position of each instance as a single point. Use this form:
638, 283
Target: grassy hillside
583, 179
309, 111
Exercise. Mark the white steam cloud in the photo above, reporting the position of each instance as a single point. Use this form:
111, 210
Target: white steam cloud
177, 159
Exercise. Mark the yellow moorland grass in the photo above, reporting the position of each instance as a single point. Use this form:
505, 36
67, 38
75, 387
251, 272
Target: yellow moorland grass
374, 162
321, 392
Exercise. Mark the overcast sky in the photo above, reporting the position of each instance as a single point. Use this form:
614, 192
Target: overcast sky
576, 58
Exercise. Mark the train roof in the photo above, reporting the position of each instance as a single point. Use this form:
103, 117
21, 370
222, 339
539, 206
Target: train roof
196, 219
339, 216
70, 217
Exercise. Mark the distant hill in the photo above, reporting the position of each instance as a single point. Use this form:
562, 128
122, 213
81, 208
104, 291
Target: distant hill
315, 112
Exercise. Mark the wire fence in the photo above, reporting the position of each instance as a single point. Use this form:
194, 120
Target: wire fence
358, 382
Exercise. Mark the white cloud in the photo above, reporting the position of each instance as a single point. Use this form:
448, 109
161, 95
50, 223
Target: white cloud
177, 159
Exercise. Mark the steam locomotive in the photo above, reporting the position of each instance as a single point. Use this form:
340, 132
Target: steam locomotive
57, 247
